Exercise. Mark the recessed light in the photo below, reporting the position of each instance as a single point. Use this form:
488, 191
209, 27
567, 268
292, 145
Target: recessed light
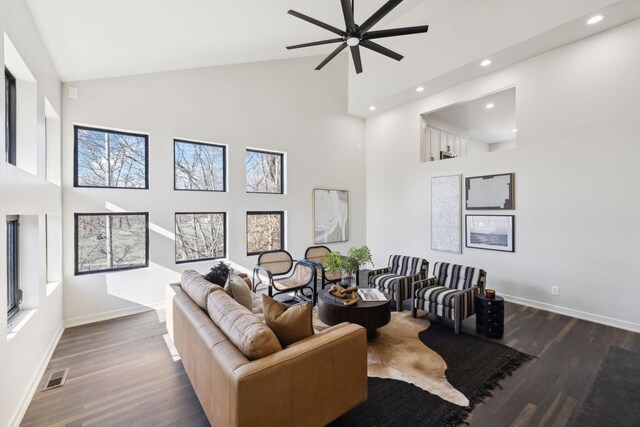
488, 106
372, 108
485, 63
419, 89
595, 19
514, 130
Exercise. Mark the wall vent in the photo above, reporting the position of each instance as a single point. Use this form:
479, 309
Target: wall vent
56, 379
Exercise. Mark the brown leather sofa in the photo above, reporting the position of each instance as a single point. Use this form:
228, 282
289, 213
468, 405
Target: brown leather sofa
309, 383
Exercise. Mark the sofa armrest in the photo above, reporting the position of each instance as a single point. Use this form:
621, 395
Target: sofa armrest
424, 283
467, 299
378, 271
299, 385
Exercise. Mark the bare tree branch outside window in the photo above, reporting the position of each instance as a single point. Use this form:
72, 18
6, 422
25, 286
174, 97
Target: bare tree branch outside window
200, 236
264, 172
199, 166
105, 158
111, 241
265, 231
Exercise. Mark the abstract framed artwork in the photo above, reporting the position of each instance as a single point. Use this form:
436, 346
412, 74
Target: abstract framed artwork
330, 215
492, 232
489, 192
446, 213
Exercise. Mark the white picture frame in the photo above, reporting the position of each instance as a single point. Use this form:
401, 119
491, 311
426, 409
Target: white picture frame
446, 213
330, 216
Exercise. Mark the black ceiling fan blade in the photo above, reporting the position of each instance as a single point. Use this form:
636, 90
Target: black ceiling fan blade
357, 61
347, 11
331, 56
316, 22
378, 15
395, 32
298, 46
381, 49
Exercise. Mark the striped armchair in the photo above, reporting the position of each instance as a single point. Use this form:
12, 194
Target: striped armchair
450, 293
396, 279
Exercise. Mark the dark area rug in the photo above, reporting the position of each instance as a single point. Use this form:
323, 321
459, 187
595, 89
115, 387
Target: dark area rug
614, 399
475, 366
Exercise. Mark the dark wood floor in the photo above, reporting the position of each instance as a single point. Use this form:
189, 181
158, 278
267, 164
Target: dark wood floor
121, 372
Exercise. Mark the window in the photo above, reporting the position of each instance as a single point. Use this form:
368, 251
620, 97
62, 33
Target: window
264, 172
200, 236
265, 231
110, 159
9, 117
199, 166
114, 241
14, 295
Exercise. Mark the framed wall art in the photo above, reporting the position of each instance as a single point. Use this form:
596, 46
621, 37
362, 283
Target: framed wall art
489, 192
446, 213
330, 215
493, 232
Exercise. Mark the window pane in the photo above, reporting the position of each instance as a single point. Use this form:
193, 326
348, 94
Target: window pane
199, 166
264, 231
111, 241
264, 172
110, 159
10, 117
13, 251
200, 236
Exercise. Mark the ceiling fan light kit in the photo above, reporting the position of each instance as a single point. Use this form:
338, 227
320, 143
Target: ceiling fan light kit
355, 36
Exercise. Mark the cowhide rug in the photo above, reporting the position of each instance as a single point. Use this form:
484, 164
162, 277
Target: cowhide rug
397, 353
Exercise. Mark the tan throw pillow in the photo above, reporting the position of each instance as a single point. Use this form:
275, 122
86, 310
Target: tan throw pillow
249, 334
237, 289
289, 323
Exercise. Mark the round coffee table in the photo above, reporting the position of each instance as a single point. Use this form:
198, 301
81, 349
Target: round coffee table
370, 314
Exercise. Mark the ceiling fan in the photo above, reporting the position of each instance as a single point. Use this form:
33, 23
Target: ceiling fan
355, 36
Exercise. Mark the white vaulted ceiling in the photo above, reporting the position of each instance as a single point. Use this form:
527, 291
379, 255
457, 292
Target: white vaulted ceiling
89, 39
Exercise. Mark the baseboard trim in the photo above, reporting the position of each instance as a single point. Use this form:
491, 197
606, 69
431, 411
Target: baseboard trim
108, 315
17, 419
617, 323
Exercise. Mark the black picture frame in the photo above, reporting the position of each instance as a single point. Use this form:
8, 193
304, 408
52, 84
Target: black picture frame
489, 235
502, 201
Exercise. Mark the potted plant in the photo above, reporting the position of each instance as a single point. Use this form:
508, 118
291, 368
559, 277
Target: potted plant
348, 265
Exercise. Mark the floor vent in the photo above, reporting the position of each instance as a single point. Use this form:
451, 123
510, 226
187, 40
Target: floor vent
56, 379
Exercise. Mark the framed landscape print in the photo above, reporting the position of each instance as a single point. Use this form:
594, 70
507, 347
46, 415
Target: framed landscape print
493, 232
489, 192
330, 215
446, 213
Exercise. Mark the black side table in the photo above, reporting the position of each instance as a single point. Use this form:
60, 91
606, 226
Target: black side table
490, 316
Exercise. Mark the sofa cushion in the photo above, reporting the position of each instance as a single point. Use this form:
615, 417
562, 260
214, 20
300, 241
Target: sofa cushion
197, 287
456, 276
251, 336
289, 323
237, 289
438, 295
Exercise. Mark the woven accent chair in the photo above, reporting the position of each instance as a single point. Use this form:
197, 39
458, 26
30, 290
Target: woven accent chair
451, 293
282, 274
316, 255
396, 279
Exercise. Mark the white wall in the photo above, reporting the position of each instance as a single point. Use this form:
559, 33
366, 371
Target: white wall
576, 202
282, 105
27, 344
